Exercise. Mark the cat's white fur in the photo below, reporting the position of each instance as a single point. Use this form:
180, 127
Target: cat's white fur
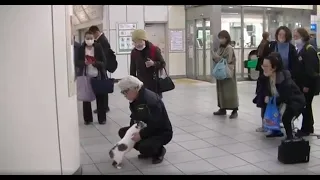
117, 155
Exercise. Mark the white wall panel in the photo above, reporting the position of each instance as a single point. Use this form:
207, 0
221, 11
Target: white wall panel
117, 13
122, 70
155, 13
135, 14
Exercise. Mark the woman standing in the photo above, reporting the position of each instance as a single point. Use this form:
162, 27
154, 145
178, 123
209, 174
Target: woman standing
146, 61
263, 51
227, 92
92, 53
287, 51
307, 77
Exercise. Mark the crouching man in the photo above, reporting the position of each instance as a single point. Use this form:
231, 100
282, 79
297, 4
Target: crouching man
148, 107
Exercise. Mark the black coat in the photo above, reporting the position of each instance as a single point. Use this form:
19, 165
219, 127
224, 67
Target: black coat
149, 108
149, 76
266, 51
289, 92
308, 68
293, 58
99, 56
104, 43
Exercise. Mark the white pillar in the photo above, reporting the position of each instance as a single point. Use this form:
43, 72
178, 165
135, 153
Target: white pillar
317, 21
38, 119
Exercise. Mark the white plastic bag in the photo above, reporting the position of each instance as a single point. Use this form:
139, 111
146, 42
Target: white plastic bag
92, 71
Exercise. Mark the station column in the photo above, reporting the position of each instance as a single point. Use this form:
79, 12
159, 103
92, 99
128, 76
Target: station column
38, 108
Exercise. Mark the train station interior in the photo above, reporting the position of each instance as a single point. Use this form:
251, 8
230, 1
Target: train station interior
42, 126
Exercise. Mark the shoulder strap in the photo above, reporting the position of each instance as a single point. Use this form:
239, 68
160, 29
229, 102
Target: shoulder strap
153, 50
308, 46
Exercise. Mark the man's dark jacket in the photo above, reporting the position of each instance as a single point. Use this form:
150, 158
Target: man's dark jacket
149, 108
103, 41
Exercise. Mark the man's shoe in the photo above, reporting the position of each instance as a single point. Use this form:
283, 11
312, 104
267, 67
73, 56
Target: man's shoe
87, 123
159, 159
96, 111
142, 156
102, 122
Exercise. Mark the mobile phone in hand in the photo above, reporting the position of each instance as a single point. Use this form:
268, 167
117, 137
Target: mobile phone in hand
215, 43
90, 59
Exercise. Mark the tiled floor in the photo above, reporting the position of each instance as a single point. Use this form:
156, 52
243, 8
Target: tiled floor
202, 143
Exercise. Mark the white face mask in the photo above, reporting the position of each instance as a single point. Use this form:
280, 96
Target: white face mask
89, 42
298, 42
141, 48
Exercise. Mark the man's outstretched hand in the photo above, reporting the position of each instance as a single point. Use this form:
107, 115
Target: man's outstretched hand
136, 137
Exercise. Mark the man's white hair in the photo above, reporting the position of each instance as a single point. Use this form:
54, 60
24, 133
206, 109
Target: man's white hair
130, 82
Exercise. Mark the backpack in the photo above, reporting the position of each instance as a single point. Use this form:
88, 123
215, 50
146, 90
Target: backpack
112, 63
318, 53
310, 46
317, 83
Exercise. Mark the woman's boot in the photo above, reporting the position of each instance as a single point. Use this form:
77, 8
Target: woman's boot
220, 112
234, 114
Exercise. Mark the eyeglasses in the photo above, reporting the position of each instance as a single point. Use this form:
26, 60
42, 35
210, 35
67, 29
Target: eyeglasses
124, 92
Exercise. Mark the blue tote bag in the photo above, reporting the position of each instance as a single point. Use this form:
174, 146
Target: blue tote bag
221, 70
272, 117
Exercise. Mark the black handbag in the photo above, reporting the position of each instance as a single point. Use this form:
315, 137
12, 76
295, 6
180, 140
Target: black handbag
294, 151
165, 84
102, 84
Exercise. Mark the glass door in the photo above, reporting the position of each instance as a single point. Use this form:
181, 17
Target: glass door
190, 50
208, 63
200, 53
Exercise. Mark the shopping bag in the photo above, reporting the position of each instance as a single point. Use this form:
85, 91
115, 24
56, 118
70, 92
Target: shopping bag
272, 117
84, 89
221, 70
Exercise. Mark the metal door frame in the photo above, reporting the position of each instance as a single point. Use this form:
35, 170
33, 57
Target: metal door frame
203, 12
192, 74
202, 77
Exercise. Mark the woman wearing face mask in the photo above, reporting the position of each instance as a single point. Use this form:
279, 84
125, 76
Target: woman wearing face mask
92, 53
288, 52
288, 95
227, 91
146, 61
306, 77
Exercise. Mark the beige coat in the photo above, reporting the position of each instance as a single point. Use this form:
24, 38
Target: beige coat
227, 91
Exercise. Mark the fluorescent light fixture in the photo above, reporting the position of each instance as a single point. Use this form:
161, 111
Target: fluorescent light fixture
229, 13
230, 7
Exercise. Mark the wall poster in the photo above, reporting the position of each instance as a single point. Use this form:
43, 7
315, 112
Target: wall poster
69, 54
124, 37
177, 40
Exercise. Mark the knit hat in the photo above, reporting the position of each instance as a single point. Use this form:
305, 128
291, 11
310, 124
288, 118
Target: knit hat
139, 34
